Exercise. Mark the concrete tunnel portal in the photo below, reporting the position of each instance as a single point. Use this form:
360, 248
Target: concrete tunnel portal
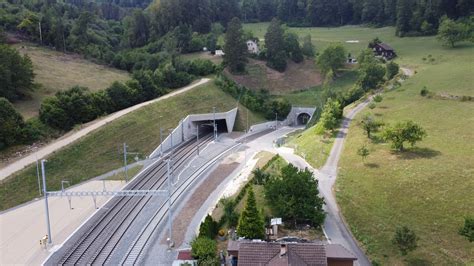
202, 123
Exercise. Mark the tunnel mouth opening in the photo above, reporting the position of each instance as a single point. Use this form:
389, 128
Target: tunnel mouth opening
303, 119
206, 126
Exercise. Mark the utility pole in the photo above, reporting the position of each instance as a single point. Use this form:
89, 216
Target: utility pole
161, 142
276, 121
170, 223
125, 160
197, 139
215, 126
38, 175
41, 35
161, 136
48, 225
247, 120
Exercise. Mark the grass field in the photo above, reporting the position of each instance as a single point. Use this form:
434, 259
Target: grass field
429, 188
56, 71
100, 151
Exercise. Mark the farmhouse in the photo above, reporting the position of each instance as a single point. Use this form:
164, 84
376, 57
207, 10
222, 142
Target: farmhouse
384, 50
252, 47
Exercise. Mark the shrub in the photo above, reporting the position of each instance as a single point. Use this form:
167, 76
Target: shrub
11, 124
372, 105
468, 229
424, 92
200, 67
378, 98
203, 249
405, 239
392, 70
68, 108
208, 228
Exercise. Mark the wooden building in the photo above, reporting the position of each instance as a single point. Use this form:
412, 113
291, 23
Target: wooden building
384, 50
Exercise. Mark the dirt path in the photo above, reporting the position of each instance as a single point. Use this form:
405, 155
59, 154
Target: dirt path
68, 139
407, 71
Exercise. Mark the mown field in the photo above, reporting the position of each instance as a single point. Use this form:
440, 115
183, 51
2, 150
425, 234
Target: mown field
56, 71
428, 188
101, 151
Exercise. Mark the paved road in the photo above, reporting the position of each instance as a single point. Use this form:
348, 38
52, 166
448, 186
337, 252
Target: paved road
335, 228
58, 144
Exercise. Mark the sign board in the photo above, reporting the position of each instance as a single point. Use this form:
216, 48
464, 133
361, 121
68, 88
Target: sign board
275, 221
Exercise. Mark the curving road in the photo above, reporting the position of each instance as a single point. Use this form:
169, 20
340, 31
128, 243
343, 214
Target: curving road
68, 139
334, 225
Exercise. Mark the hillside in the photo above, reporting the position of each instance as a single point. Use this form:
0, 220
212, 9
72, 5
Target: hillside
429, 188
296, 77
100, 151
57, 71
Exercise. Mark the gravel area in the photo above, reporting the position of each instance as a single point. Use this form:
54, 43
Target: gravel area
197, 199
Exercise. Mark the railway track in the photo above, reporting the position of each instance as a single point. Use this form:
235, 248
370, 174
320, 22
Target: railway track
101, 238
134, 253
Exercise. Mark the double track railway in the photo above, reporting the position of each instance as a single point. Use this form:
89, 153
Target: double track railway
103, 233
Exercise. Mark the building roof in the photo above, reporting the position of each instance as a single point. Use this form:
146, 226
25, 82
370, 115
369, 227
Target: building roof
264, 253
185, 255
385, 46
336, 251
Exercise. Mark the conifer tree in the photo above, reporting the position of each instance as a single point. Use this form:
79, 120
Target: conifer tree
251, 224
235, 48
275, 44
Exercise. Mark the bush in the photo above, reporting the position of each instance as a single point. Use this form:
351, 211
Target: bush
68, 108
280, 107
204, 250
200, 67
121, 95
208, 228
405, 239
378, 98
11, 124
168, 77
372, 105
468, 229
278, 62
424, 92
392, 69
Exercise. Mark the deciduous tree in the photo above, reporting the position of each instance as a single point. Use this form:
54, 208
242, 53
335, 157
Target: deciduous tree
294, 196
369, 124
332, 58
450, 32
402, 132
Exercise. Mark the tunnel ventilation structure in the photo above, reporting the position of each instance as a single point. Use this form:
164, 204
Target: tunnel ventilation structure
195, 124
